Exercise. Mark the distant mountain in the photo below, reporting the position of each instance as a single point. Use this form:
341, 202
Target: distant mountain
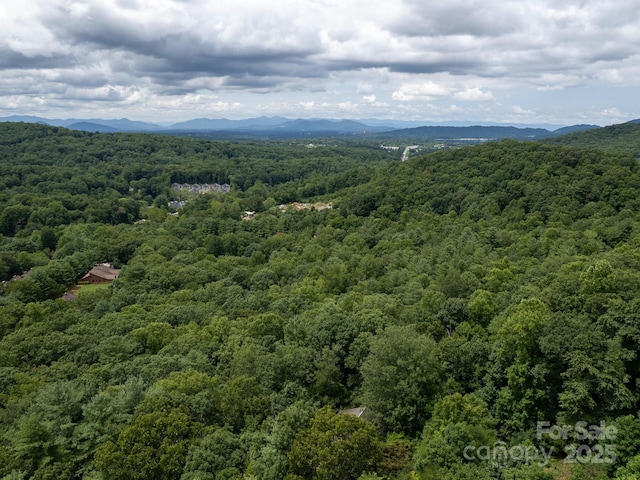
222, 124
126, 125
274, 127
390, 124
92, 127
574, 128
402, 124
25, 119
119, 125
324, 125
281, 127
475, 133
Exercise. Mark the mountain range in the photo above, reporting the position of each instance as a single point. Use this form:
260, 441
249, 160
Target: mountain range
281, 127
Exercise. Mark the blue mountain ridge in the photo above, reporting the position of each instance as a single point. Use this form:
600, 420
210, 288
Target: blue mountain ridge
282, 126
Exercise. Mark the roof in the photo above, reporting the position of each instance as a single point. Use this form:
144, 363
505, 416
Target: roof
104, 271
356, 412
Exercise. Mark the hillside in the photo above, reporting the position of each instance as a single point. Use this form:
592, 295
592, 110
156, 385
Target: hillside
614, 138
459, 297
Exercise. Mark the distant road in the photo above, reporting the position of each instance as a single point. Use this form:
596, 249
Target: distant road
405, 154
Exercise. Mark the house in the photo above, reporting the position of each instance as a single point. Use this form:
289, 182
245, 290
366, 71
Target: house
248, 215
361, 412
177, 204
202, 188
102, 273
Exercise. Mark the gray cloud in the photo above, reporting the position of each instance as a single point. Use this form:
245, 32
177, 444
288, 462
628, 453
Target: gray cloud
12, 59
459, 17
182, 49
141, 53
202, 43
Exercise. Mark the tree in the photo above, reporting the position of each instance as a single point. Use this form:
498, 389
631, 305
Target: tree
400, 378
334, 447
482, 307
44, 433
217, 454
598, 285
14, 218
154, 447
61, 272
105, 415
190, 389
242, 399
595, 382
452, 313
48, 238
519, 367
631, 471
272, 460
457, 422
464, 357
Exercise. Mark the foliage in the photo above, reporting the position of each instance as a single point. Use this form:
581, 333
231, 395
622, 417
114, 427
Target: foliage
400, 378
460, 297
335, 446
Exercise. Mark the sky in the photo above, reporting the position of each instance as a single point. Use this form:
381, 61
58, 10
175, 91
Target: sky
512, 61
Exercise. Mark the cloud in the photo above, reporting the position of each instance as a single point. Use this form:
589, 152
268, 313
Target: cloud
375, 53
518, 110
422, 91
13, 59
165, 41
612, 113
460, 17
473, 95
365, 88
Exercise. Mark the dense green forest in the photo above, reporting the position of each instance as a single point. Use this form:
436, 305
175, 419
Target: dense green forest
481, 303
623, 137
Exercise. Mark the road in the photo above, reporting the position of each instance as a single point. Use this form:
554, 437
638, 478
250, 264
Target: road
405, 154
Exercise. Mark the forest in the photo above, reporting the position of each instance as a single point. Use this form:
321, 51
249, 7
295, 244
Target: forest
479, 306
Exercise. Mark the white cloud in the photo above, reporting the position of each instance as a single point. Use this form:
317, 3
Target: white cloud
473, 95
518, 110
421, 91
348, 107
612, 113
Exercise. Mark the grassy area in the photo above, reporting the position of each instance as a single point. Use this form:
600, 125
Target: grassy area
90, 288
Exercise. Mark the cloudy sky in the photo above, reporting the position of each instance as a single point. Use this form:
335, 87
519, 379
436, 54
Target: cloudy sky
517, 61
